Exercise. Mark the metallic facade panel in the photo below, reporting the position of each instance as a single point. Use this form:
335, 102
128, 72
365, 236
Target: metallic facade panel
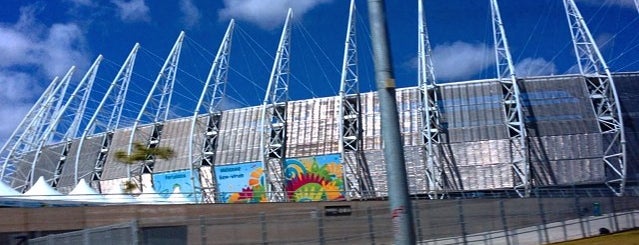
472, 112
371, 121
88, 157
569, 172
22, 170
114, 169
375, 159
416, 169
564, 141
175, 135
409, 116
628, 90
478, 165
239, 139
48, 161
313, 127
557, 106
565, 147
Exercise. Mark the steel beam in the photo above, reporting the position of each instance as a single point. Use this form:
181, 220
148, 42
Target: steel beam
204, 133
603, 96
115, 94
357, 178
155, 110
511, 101
430, 115
273, 121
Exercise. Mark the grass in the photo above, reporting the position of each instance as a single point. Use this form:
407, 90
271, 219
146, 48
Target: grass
630, 237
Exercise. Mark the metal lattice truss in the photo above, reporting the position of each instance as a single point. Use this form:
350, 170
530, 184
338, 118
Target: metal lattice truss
274, 122
111, 105
357, 178
430, 115
42, 118
205, 131
512, 106
53, 123
156, 109
77, 113
603, 96
30, 129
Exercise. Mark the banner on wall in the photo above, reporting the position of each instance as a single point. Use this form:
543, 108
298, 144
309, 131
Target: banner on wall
316, 178
241, 183
164, 183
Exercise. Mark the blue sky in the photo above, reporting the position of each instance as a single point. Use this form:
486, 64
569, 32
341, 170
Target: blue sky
42, 39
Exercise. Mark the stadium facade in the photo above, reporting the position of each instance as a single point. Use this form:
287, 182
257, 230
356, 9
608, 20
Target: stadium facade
506, 133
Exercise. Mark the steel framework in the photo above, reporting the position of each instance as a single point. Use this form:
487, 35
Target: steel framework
112, 103
34, 132
20, 140
205, 131
85, 86
430, 114
357, 178
603, 96
52, 130
42, 119
274, 122
156, 109
511, 100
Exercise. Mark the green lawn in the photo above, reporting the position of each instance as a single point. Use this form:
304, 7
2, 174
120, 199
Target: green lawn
630, 237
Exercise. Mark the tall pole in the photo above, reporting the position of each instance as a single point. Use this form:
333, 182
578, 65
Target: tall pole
400, 205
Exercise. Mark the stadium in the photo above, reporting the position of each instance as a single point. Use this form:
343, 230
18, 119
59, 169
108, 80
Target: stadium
510, 134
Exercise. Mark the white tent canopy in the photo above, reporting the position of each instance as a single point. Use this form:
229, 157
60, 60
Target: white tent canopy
43, 191
119, 197
178, 197
84, 192
150, 196
6, 190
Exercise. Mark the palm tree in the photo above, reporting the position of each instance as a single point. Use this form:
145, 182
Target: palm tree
140, 154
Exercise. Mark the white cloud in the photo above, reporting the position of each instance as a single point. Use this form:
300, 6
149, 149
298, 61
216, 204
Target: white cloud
61, 47
191, 14
266, 14
64, 44
13, 46
81, 2
16, 96
31, 55
535, 67
461, 60
132, 10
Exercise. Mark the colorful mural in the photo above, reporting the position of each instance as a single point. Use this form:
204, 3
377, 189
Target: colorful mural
317, 178
241, 183
164, 183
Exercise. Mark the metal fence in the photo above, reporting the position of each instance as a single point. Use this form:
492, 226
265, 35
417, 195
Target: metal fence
124, 233
456, 221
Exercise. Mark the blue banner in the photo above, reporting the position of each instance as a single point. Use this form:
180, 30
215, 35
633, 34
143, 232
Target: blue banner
241, 183
164, 183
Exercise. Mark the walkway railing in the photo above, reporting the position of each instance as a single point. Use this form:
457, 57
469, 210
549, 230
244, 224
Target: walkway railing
453, 221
